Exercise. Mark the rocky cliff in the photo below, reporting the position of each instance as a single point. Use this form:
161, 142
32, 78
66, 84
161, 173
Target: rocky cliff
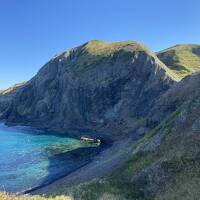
120, 88
165, 163
98, 85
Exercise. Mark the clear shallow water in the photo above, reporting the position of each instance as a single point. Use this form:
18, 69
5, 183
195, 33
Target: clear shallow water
30, 158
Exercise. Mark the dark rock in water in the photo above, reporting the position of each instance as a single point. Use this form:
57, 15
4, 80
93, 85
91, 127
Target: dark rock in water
109, 87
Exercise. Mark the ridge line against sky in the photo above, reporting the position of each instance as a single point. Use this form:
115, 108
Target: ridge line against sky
33, 31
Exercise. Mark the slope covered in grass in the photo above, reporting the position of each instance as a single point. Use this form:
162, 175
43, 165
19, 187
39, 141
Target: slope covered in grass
169, 172
183, 60
165, 164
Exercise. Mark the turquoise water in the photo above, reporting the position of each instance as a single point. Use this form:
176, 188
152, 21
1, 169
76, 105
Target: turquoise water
30, 158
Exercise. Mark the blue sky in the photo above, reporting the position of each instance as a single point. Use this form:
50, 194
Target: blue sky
32, 31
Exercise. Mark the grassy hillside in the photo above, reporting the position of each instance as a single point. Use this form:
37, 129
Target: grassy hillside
90, 54
165, 164
183, 60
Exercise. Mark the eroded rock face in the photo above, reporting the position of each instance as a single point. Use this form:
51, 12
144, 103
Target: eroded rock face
174, 148
102, 86
181, 92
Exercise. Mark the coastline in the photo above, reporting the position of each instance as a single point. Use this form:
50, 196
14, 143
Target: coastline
87, 158
62, 132
77, 158
101, 165
96, 162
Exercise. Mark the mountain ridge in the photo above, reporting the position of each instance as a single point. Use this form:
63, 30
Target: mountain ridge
92, 82
183, 59
125, 92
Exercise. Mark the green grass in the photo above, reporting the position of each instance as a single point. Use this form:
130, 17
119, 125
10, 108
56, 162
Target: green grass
187, 183
98, 52
183, 60
166, 124
177, 156
97, 47
118, 184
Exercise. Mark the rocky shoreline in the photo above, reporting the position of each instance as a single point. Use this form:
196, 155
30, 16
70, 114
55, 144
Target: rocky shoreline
103, 163
74, 159
85, 156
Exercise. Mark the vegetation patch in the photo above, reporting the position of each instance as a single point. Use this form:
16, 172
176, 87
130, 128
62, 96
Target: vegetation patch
183, 60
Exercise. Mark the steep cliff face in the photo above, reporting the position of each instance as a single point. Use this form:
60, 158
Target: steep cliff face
99, 85
6, 99
119, 88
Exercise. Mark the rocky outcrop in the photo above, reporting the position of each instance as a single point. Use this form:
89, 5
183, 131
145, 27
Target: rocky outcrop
175, 155
12, 89
182, 92
102, 86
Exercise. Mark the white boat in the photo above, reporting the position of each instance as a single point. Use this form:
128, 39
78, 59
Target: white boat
91, 140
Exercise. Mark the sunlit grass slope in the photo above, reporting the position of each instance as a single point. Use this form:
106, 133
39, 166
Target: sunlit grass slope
183, 60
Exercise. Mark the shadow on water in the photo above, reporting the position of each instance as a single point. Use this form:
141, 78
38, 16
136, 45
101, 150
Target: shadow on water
62, 164
39, 161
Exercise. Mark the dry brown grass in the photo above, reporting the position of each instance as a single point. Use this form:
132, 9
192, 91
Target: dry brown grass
4, 196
